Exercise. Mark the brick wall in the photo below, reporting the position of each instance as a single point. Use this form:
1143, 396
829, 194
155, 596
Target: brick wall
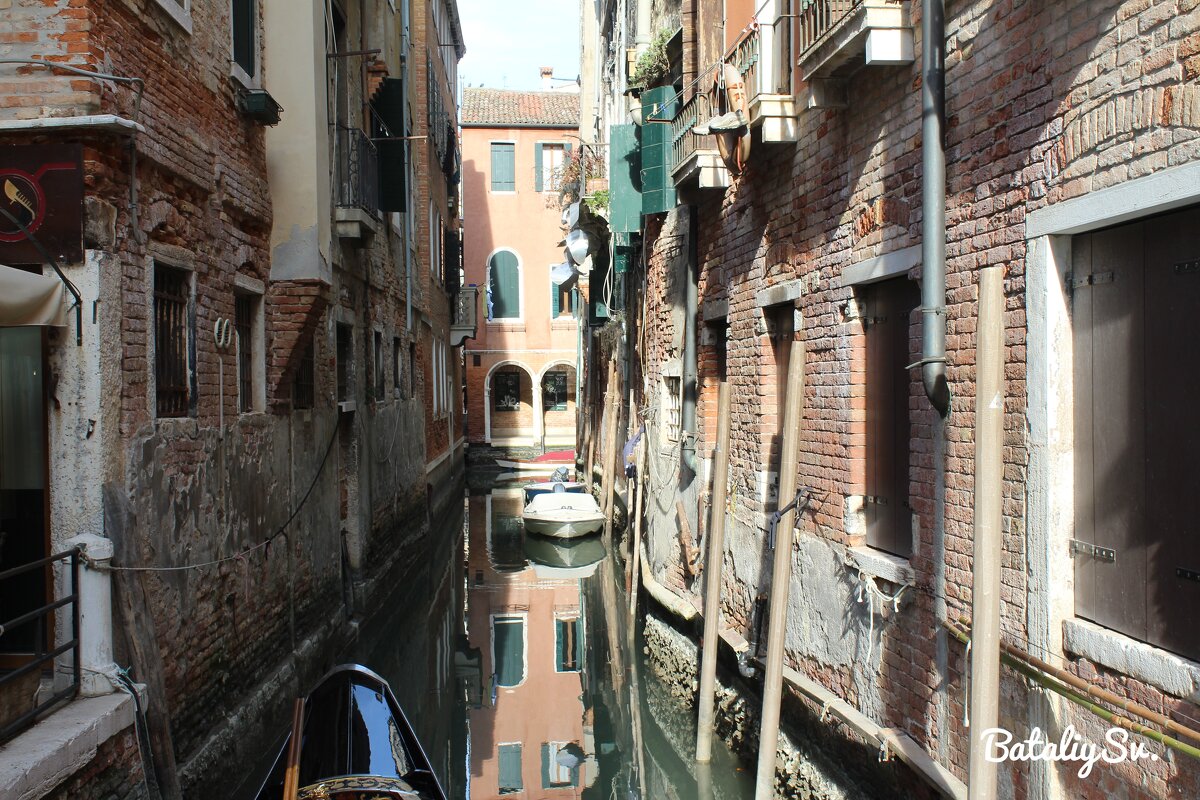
114, 773
1046, 101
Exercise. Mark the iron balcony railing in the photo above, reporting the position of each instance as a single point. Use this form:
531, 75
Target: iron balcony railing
685, 143
745, 58
357, 170
815, 18
28, 635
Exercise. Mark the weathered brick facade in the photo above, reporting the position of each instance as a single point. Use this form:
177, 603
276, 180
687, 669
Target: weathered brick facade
1046, 103
247, 544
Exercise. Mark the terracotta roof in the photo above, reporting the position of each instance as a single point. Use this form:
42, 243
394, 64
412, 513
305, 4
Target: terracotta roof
509, 107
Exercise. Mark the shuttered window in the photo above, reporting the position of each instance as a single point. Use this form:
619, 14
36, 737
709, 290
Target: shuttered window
504, 168
303, 384
508, 650
548, 160
1134, 293
172, 342
244, 16
245, 308
560, 764
887, 310
504, 286
568, 645
509, 756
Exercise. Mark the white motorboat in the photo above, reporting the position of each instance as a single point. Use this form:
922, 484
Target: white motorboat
563, 514
532, 490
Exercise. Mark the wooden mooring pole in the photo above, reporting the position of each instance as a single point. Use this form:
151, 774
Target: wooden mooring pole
781, 576
712, 581
988, 516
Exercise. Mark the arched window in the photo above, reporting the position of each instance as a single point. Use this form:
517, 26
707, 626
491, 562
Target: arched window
504, 286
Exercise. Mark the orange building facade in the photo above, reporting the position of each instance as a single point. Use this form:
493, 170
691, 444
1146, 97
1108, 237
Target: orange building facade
521, 367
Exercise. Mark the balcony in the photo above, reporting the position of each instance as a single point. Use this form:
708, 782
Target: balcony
835, 38
356, 183
695, 157
763, 57
466, 315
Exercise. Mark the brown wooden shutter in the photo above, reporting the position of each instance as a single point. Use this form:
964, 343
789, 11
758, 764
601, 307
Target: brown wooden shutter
889, 305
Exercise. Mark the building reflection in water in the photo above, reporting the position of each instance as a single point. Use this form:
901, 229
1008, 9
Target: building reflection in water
530, 729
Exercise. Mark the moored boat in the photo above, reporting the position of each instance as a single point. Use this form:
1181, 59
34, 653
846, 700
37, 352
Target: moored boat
354, 743
547, 462
532, 490
564, 558
563, 514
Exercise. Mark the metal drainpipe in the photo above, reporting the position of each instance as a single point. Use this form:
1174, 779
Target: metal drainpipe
687, 415
641, 41
933, 202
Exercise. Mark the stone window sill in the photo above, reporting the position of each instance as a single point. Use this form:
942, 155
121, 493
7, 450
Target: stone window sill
885, 566
496, 325
1175, 675
61, 744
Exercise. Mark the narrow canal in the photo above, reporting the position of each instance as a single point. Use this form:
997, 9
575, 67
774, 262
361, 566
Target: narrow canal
522, 670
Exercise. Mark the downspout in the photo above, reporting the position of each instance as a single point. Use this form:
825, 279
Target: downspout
687, 415
933, 203
641, 39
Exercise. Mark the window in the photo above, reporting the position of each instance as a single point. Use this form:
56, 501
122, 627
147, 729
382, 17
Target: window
345, 362
548, 160
412, 370
672, 390
562, 301
554, 391
888, 306
507, 396
560, 764
435, 241
504, 286
246, 321
396, 365
303, 384
172, 342
244, 14
504, 167
377, 352
508, 650
509, 756
568, 644
1134, 290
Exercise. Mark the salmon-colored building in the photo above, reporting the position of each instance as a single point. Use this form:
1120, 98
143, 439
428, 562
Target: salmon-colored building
521, 366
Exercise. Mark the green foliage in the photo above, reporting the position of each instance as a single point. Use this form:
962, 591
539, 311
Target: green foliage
597, 202
653, 65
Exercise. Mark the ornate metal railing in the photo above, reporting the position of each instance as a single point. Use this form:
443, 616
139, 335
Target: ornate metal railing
357, 172
27, 637
745, 57
685, 143
815, 18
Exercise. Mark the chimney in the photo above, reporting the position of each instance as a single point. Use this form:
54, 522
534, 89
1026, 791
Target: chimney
547, 75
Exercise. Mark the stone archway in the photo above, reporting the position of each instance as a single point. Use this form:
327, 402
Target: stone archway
510, 411
557, 409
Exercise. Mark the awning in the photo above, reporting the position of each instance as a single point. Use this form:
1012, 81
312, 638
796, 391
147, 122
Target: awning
27, 298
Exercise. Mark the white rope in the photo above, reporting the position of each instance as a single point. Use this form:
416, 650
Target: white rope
868, 589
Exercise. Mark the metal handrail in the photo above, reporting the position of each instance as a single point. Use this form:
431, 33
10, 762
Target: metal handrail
42, 655
817, 17
685, 143
357, 170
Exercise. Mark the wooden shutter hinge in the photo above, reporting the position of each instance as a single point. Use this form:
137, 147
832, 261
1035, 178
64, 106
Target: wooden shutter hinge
1105, 554
1084, 281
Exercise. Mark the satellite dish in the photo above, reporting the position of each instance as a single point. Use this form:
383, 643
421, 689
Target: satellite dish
570, 215
561, 273
578, 246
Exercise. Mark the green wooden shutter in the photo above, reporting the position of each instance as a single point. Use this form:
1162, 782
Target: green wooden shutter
509, 638
537, 167
505, 288
554, 306
503, 167
546, 780
510, 768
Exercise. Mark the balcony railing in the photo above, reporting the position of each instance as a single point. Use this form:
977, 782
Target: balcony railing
745, 57
763, 57
817, 17
357, 170
29, 634
684, 143
466, 314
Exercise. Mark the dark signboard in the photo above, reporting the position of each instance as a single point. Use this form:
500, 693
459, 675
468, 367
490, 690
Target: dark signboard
41, 188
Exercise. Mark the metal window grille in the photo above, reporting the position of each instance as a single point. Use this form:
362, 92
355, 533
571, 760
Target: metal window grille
244, 307
673, 418
171, 373
378, 365
396, 363
357, 170
303, 389
556, 391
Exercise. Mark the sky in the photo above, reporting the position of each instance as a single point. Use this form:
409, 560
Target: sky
509, 40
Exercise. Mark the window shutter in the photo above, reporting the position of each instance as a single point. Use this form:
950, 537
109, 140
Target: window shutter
389, 109
537, 167
509, 637
554, 306
510, 768
503, 170
546, 767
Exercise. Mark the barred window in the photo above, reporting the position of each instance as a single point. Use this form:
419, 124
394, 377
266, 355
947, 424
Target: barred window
673, 405
396, 364
303, 389
172, 331
244, 308
345, 362
378, 359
